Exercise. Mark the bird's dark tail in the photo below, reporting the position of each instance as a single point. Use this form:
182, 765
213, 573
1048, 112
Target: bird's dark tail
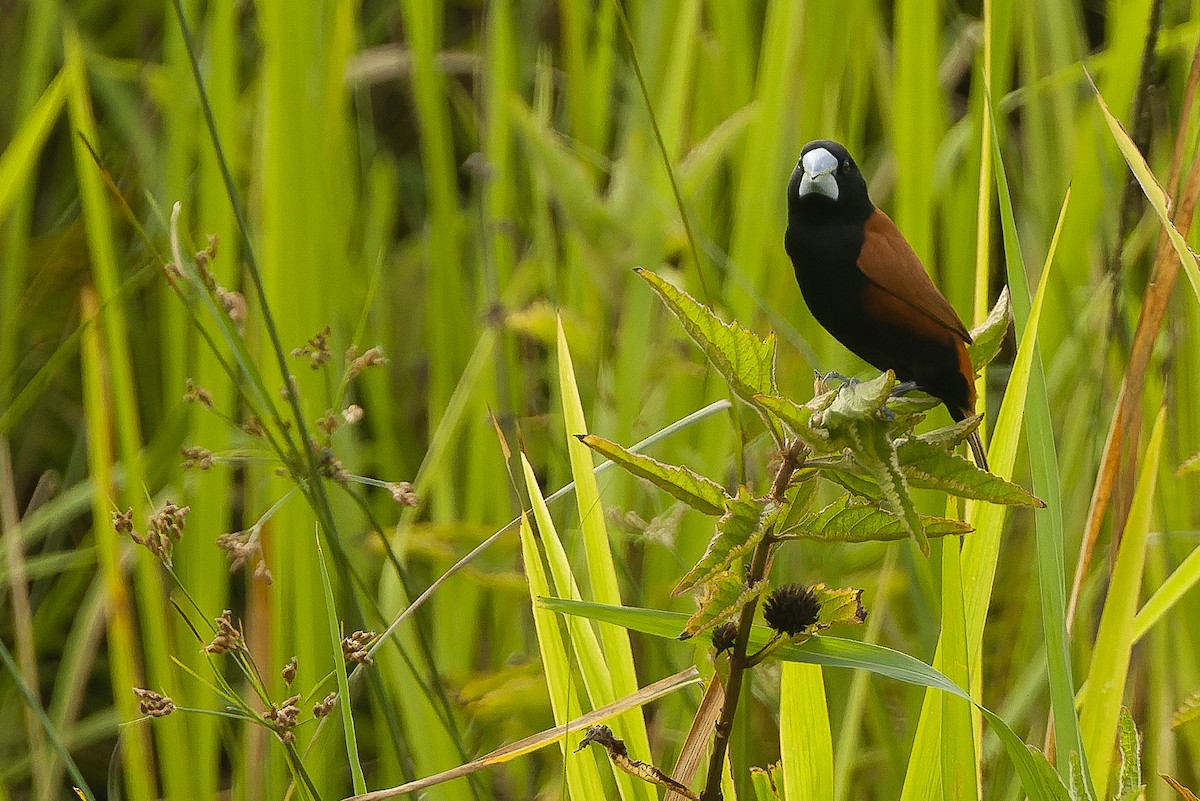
977, 450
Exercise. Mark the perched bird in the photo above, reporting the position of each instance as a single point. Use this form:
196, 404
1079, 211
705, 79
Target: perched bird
865, 285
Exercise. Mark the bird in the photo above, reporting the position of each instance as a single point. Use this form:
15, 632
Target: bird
866, 286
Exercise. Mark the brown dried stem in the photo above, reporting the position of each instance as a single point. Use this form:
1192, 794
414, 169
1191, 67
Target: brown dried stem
793, 460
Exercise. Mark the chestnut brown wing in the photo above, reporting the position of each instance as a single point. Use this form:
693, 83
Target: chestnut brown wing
889, 262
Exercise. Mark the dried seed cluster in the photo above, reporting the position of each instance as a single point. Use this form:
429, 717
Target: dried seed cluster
372, 358
723, 636
791, 609
152, 704
317, 349
283, 718
289, 672
194, 393
403, 493
195, 456
163, 530
324, 706
355, 647
229, 637
243, 547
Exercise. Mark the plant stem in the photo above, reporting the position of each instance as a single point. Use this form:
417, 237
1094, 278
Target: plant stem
793, 458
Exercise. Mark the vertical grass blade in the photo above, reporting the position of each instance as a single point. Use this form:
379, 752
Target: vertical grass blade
31, 701
581, 637
1100, 701
981, 550
582, 775
959, 748
805, 741
766, 164
20, 155
123, 656
1044, 465
339, 672
602, 571
918, 119
125, 418
39, 45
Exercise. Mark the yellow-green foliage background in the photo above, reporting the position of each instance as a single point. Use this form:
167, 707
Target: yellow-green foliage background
442, 180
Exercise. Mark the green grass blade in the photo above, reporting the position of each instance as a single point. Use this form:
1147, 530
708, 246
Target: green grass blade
1046, 484
767, 163
602, 571
123, 655
582, 773
52, 735
20, 156
981, 550
1153, 191
1100, 701
805, 741
339, 671
918, 121
959, 766
582, 639
1168, 594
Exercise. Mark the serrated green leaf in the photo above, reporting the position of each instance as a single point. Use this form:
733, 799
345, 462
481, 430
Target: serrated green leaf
839, 605
797, 416
747, 362
931, 467
700, 493
797, 500
722, 599
989, 335
852, 481
949, 437
912, 403
1129, 781
1188, 711
738, 531
849, 520
875, 452
855, 402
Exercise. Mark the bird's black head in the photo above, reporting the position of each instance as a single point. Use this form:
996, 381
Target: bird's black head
827, 181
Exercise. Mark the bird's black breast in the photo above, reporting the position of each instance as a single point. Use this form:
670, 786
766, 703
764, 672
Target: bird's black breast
824, 254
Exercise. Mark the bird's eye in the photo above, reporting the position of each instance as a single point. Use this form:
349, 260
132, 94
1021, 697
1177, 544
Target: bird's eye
845, 166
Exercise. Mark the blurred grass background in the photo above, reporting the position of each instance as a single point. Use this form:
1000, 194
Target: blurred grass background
442, 180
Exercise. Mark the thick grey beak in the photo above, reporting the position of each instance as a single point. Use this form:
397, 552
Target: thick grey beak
819, 166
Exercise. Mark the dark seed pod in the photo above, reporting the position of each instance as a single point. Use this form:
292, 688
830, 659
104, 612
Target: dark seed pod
791, 609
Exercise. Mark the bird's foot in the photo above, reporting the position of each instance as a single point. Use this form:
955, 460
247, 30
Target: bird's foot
833, 375
903, 388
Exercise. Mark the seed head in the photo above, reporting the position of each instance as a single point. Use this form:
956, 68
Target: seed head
228, 638
355, 647
723, 636
325, 706
152, 704
792, 609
